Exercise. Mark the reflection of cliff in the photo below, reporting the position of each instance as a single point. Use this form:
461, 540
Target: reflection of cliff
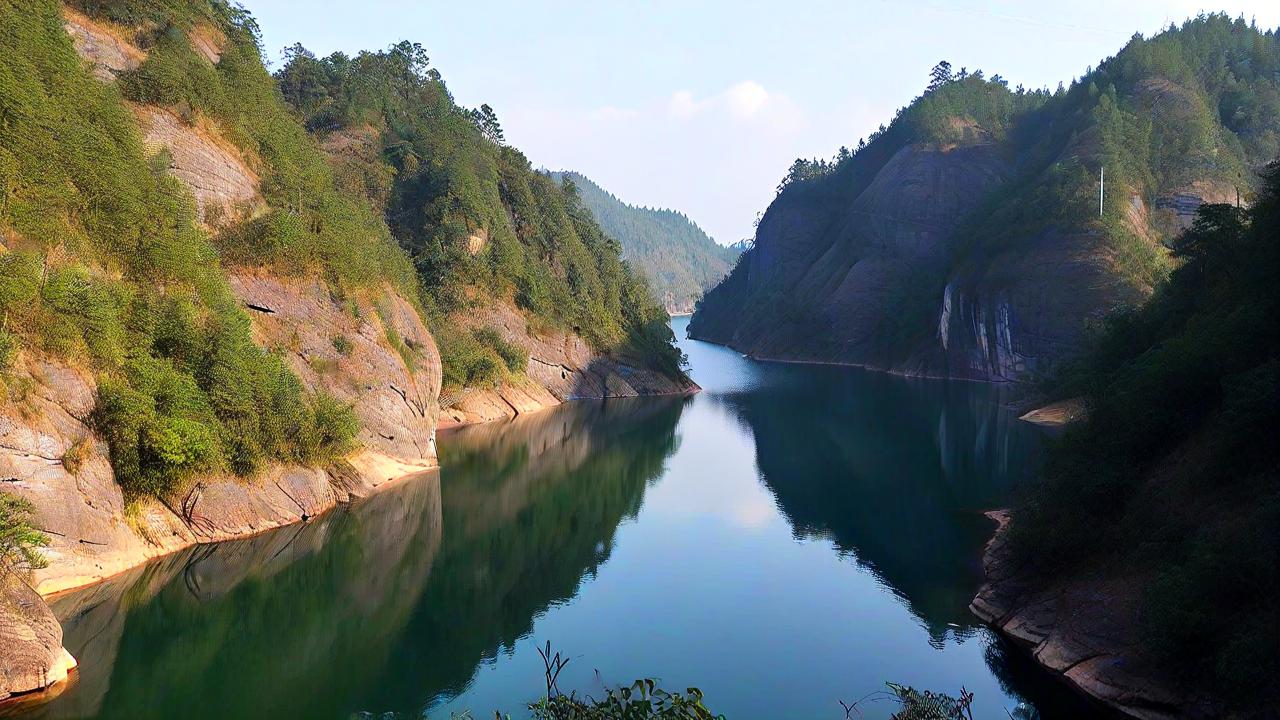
893, 472
206, 632
381, 608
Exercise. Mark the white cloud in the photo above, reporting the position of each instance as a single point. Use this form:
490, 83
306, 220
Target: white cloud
716, 157
741, 101
746, 98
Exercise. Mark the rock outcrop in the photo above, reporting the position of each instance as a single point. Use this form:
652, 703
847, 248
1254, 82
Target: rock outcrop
220, 180
867, 283
346, 350
106, 48
82, 509
1057, 414
562, 366
33, 657
1083, 631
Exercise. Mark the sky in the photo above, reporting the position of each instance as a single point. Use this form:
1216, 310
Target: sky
701, 106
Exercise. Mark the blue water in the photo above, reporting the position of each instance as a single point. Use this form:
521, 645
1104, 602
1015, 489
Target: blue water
790, 537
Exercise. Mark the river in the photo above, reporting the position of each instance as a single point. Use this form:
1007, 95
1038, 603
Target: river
791, 537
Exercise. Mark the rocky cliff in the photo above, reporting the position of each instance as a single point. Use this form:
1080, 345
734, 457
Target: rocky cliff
964, 240
368, 348
33, 656
372, 352
1084, 631
561, 366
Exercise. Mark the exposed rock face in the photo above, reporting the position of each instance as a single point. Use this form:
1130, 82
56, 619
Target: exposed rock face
33, 656
869, 268
1058, 414
84, 512
840, 282
396, 404
208, 42
1084, 631
562, 366
221, 181
106, 48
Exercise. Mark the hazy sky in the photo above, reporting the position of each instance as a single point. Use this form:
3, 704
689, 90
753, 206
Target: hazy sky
701, 106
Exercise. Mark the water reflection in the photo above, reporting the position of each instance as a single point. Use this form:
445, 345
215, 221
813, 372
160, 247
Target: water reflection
387, 606
894, 472
290, 623
792, 536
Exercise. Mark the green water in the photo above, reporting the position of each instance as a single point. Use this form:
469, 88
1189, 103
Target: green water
791, 537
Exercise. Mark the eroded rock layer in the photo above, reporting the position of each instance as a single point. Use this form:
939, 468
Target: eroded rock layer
1084, 631
562, 366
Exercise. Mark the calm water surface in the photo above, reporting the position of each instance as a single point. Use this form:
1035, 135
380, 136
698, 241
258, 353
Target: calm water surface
790, 537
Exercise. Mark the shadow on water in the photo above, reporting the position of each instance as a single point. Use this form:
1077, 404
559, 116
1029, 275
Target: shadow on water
894, 472
389, 605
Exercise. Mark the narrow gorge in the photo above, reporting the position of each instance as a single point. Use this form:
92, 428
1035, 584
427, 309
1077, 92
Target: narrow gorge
351, 336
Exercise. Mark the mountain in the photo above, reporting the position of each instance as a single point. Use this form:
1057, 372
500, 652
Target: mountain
1149, 547
964, 239
519, 281
680, 261
221, 290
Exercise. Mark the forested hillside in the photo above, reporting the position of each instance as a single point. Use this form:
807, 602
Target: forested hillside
214, 315
480, 225
963, 239
1166, 500
108, 265
680, 261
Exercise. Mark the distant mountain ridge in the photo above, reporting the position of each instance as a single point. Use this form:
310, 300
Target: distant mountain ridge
964, 239
679, 259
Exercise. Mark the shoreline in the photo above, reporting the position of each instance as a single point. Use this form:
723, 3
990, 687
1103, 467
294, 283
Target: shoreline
1067, 631
364, 463
867, 367
367, 464
450, 425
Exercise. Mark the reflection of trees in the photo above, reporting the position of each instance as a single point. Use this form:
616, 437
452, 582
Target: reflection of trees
384, 606
531, 508
894, 472
291, 623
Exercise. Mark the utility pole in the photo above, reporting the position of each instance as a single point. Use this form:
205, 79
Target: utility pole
1102, 185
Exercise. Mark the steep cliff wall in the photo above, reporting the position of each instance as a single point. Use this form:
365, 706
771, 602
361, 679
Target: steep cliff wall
859, 281
876, 281
965, 239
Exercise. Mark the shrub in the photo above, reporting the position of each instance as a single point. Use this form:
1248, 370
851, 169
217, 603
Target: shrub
8, 350
19, 539
76, 455
514, 358
342, 345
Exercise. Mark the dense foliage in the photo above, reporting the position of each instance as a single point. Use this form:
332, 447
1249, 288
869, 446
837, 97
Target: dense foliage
479, 223
308, 224
680, 260
19, 539
104, 265
1176, 473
